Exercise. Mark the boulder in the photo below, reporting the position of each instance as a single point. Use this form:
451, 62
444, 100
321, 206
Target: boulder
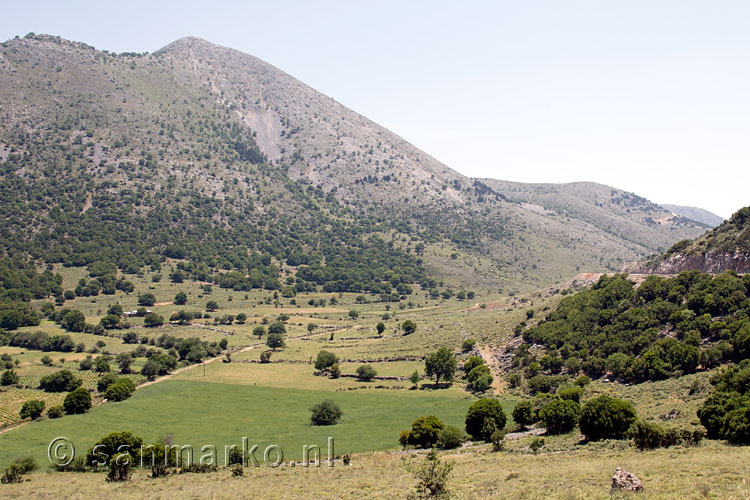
624, 480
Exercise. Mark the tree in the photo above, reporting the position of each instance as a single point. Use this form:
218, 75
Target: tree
259, 331
146, 300
241, 318
110, 445
153, 320
325, 360
61, 381
105, 381
32, 409
275, 341
480, 378
46, 360
265, 357
212, 306
414, 377
124, 361
180, 299
468, 345
10, 377
101, 364
441, 364
74, 321
327, 412
380, 327
78, 401
605, 417
55, 411
408, 327
524, 414
479, 411
425, 432
366, 372
277, 327
353, 314
151, 369
450, 437
120, 390
560, 416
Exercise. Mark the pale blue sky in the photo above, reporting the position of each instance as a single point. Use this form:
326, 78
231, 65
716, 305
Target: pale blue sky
648, 96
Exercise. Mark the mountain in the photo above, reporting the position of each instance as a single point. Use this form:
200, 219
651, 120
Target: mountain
726, 247
694, 213
243, 174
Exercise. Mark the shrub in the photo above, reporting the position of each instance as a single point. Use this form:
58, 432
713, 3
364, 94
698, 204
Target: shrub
61, 381
432, 476
265, 357
424, 432
55, 411
366, 372
180, 299
147, 300
153, 320
468, 345
736, 426
479, 411
570, 392
105, 381
110, 445
334, 371
119, 467
472, 363
118, 391
649, 436
408, 327
480, 378
605, 417
10, 377
78, 401
325, 360
560, 416
524, 413
536, 444
32, 409
497, 439
450, 437
277, 327
15, 471
327, 412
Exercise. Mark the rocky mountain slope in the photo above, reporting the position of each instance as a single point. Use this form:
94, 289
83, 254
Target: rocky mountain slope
210, 155
726, 247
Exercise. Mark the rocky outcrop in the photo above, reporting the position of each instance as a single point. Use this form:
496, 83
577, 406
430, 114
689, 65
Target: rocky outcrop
710, 262
625, 481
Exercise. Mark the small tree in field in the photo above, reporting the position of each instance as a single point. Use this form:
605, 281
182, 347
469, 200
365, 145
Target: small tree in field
78, 401
259, 331
440, 364
380, 327
275, 341
325, 360
180, 299
327, 412
408, 327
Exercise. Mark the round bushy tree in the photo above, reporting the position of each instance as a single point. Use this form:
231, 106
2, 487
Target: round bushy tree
78, 401
524, 413
327, 412
425, 432
479, 411
325, 360
560, 416
32, 409
605, 417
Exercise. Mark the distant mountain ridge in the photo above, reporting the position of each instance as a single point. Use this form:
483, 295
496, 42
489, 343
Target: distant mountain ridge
696, 214
208, 155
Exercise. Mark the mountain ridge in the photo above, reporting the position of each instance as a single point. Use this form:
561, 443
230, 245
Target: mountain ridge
243, 151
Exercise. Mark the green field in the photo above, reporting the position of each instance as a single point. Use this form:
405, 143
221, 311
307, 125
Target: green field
200, 413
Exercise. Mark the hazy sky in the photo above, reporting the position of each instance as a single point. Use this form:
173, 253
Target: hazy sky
648, 96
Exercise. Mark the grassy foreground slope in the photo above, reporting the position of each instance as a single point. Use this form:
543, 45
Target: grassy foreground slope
711, 471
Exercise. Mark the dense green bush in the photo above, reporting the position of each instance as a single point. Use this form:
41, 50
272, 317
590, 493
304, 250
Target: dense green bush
450, 437
17, 469
486, 408
524, 414
61, 381
325, 360
366, 372
110, 445
560, 415
32, 409
605, 417
55, 411
77, 401
327, 412
649, 436
425, 432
